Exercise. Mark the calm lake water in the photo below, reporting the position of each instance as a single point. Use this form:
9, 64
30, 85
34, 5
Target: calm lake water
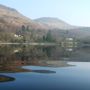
44, 68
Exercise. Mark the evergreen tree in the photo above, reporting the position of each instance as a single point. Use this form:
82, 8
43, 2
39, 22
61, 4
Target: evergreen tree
49, 37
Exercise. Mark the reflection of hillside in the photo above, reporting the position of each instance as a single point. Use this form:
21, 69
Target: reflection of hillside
83, 54
12, 57
16, 53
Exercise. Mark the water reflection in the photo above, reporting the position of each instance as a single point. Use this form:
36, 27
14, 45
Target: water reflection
43, 71
33, 52
31, 55
39, 55
13, 58
55, 56
4, 78
39, 67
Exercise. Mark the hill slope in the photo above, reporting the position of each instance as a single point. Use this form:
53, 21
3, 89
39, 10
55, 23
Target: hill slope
54, 23
12, 19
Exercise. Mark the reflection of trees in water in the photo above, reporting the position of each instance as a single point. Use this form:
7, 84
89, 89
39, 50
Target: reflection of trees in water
48, 50
35, 52
12, 58
25, 54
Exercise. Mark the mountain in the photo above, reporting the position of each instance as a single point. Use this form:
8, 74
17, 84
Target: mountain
54, 23
11, 19
11, 22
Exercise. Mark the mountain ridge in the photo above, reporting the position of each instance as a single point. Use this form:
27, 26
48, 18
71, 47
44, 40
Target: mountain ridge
13, 17
55, 23
12, 21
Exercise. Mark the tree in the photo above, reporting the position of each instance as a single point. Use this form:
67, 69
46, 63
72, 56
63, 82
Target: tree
49, 37
23, 32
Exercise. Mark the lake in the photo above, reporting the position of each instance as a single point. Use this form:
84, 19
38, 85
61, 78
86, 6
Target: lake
28, 67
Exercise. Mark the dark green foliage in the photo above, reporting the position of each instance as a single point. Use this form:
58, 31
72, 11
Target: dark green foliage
48, 37
23, 28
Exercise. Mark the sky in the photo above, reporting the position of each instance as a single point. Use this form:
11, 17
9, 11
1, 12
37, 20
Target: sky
74, 12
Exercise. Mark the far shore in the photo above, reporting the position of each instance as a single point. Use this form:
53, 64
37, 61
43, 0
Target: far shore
32, 43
